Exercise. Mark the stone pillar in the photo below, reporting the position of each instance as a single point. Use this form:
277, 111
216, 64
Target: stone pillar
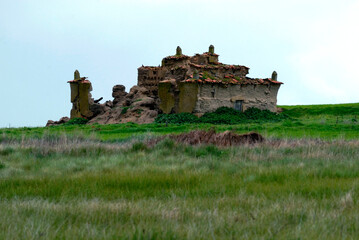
80, 96
274, 76
178, 51
211, 49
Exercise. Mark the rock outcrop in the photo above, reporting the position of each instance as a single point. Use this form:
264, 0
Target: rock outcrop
54, 123
136, 106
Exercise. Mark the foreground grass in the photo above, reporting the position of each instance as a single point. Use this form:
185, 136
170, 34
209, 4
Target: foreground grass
86, 189
102, 182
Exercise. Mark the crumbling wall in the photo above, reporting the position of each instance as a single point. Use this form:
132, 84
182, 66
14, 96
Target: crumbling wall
83, 105
213, 96
167, 96
80, 98
188, 93
149, 77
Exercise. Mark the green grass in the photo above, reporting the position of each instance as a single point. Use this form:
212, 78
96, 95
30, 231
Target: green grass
312, 121
104, 182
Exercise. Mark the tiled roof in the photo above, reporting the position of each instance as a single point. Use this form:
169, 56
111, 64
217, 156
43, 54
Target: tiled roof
231, 79
177, 57
217, 66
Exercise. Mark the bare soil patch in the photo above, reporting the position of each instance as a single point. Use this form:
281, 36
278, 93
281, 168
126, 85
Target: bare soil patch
223, 139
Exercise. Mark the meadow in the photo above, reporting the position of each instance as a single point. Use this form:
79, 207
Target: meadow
105, 182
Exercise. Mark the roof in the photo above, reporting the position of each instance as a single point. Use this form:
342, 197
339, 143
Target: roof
177, 57
149, 67
217, 66
231, 79
210, 54
81, 80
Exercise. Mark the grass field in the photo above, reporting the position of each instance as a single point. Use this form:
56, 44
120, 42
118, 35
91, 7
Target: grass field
102, 182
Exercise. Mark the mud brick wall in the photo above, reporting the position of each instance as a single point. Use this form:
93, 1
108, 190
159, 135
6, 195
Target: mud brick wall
149, 77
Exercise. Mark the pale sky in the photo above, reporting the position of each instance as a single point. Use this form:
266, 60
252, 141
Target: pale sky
312, 44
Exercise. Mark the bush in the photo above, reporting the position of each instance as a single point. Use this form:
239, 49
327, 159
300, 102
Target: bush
76, 121
176, 118
124, 110
223, 115
263, 115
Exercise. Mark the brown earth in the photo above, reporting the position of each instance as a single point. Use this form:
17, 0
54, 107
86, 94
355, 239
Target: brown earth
224, 139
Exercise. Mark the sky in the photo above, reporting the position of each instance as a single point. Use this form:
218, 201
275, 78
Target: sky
313, 46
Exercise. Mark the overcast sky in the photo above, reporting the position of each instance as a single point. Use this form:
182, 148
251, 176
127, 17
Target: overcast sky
312, 44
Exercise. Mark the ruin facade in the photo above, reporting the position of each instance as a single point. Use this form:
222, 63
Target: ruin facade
195, 84
200, 84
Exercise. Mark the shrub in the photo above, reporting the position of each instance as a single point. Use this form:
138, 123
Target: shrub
77, 121
262, 115
176, 118
124, 110
223, 115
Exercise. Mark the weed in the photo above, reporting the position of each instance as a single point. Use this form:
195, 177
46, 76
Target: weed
124, 110
6, 151
139, 146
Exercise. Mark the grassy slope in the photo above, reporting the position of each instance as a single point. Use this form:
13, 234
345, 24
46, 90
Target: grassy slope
339, 121
88, 182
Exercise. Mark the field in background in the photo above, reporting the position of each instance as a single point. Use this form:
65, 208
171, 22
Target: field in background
102, 182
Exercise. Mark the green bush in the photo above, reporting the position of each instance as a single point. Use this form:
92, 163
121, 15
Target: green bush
124, 110
176, 118
76, 121
223, 115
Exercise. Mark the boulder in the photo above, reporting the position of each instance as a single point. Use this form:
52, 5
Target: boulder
54, 123
119, 94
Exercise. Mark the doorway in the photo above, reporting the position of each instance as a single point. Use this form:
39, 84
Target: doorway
238, 105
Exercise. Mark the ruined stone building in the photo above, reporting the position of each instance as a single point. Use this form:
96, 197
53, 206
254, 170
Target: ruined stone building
200, 84
195, 84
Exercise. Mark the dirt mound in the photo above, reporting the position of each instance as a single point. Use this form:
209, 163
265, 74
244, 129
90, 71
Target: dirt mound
226, 138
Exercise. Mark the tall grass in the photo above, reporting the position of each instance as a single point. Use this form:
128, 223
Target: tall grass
105, 182
87, 189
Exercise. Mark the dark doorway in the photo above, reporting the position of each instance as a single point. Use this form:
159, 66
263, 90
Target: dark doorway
238, 105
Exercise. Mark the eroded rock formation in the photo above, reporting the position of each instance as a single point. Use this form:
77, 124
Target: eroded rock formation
136, 106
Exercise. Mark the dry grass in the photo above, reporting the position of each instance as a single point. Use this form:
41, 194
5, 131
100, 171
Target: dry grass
223, 139
76, 188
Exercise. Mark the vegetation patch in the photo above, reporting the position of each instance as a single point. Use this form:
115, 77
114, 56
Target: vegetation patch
223, 115
76, 121
178, 118
124, 110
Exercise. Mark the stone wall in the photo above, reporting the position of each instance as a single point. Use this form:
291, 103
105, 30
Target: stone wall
201, 98
211, 97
